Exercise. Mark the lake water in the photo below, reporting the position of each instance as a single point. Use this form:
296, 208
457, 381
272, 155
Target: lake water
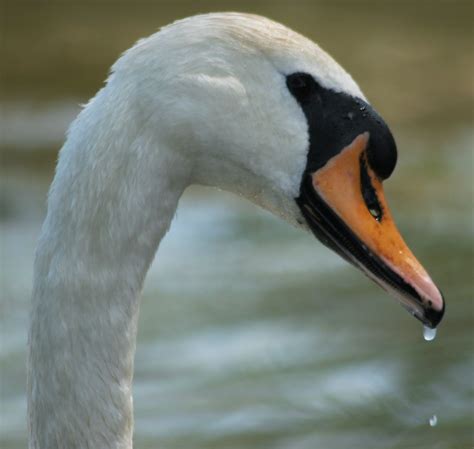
252, 334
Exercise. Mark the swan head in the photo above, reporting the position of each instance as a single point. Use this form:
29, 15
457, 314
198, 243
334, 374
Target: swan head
252, 107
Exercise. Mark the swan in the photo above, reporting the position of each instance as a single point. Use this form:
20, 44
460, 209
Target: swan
229, 100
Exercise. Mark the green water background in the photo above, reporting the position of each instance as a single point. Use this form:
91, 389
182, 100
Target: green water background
252, 334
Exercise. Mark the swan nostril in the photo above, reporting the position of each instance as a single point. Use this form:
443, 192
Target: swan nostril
376, 213
368, 191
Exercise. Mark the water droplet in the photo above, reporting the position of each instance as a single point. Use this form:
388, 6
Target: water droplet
428, 333
362, 108
433, 421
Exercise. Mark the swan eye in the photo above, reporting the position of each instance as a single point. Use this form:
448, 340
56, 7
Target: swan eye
300, 84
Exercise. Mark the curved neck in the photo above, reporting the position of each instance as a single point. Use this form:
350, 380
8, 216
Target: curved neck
112, 200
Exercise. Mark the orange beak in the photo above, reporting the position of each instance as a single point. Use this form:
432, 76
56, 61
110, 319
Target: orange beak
344, 204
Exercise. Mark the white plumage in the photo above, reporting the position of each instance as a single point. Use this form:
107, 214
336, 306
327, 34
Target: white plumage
202, 101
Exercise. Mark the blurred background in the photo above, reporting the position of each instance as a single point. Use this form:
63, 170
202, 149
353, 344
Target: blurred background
270, 341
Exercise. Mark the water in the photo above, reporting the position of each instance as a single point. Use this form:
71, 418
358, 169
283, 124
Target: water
252, 334
428, 333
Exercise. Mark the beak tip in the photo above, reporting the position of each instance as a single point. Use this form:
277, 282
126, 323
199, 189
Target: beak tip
432, 317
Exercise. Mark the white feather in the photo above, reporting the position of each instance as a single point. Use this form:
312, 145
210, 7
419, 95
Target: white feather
202, 101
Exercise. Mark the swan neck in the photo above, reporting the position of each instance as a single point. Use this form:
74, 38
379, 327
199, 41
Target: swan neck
112, 200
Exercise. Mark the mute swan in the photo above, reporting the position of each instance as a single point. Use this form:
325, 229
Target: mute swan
228, 100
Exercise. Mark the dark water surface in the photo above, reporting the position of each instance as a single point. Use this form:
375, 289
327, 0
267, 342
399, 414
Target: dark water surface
272, 341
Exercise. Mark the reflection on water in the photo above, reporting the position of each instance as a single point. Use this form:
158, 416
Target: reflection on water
252, 334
